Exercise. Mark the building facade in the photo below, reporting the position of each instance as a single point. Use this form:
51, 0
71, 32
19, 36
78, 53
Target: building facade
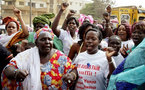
38, 7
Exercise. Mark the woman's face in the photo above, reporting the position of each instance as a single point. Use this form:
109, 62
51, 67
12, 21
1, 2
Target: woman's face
39, 26
115, 43
137, 36
122, 33
92, 41
11, 28
44, 43
72, 25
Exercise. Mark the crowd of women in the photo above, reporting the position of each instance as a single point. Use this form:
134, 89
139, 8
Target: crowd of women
78, 56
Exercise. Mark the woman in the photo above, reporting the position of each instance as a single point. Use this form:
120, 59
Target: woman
124, 32
69, 36
42, 68
137, 37
12, 27
94, 66
80, 46
129, 75
40, 22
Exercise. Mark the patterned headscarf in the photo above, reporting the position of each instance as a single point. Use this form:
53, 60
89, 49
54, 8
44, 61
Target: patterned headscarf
44, 19
46, 29
83, 17
7, 20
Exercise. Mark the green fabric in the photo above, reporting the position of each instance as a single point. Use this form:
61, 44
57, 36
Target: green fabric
44, 19
31, 37
58, 43
131, 49
135, 75
136, 57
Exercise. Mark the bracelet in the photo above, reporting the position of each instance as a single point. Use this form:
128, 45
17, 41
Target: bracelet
110, 62
15, 73
75, 76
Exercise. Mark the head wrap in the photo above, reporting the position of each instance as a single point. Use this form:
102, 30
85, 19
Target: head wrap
7, 20
44, 19
46, 29
83, 17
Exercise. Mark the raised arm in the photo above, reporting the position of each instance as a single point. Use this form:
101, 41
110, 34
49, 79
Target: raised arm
18, 14
57, 19
73, 51
71, 13
107, 28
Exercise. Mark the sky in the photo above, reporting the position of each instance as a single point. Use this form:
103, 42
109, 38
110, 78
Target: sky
128, 2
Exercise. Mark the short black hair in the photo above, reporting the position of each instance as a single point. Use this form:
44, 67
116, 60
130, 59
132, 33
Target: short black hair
96, 30
82, 29
72, 18
110, 38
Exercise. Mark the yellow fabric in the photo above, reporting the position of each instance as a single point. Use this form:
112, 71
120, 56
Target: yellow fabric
15, 39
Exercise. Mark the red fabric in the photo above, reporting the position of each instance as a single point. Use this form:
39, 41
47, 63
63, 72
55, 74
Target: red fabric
7, 20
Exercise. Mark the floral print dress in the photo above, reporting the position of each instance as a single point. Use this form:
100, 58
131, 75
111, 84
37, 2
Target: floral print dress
51, 74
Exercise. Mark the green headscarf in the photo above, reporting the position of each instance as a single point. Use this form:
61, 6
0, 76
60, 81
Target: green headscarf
44, 19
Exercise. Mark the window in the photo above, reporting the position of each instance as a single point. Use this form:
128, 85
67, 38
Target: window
21, 3
33, 4
141, 11
28, 3
51, 5
51, 8
113, 17
41, 5
141, 18
80, 4
10, 3
51, 2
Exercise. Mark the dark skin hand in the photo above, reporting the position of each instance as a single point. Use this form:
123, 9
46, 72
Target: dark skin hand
70, 77
108, 31
16, 74
109, 8
109, 53
124, 50
106, 17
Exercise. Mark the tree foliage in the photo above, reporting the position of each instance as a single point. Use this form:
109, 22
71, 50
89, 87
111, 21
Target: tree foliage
97, 8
